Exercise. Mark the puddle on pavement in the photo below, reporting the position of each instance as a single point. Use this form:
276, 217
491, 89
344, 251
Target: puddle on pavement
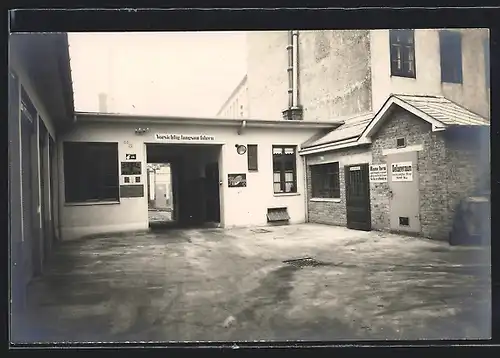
260, 231
306, 262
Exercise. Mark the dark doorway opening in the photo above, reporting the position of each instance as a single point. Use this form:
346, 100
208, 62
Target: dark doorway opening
357, 188
191, 193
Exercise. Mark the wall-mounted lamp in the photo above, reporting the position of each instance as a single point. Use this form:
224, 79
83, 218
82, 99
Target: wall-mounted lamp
241, 149
140, 131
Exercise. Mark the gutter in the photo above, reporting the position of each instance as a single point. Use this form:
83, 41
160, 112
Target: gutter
121, 118
333, 146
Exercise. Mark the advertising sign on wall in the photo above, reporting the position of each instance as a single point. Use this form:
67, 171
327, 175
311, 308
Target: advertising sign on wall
378, 173
170, 137
237, 180
402, 171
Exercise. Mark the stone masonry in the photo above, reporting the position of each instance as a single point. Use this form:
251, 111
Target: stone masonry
330, 211
448, 171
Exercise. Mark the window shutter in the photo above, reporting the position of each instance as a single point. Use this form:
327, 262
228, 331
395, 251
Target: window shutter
252, 157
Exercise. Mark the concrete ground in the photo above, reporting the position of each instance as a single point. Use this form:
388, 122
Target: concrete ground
159, 215
215, 284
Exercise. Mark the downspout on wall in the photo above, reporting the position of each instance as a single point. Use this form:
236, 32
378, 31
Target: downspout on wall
294, 110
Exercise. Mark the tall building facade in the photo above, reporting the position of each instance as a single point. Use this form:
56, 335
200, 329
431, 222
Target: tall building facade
342, 73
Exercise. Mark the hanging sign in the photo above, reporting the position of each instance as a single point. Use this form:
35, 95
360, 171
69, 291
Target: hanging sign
237, 180
378, 173
402, 171
170, 137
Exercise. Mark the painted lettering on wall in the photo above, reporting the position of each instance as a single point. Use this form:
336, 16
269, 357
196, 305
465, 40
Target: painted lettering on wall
184, 137
402, 171
378, 173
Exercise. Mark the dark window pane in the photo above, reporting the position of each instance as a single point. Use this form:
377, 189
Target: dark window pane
325, 180
402, 53
90, 171
284, 169
252, 157
450, 43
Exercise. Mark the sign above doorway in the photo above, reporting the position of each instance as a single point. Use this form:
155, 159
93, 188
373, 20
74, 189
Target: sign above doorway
171, 137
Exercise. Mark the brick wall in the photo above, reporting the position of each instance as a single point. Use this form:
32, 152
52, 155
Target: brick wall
449, 167
431, 168
447, 172
333, 212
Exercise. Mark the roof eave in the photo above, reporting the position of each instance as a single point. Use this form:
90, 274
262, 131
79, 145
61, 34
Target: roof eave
256, 123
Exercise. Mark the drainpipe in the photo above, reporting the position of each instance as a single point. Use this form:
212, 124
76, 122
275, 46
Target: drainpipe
290, 69
294, 110
295, 69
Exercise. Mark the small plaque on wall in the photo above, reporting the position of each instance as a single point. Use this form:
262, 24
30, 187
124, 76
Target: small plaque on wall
132, 191
130, 156
237, 180
131, 168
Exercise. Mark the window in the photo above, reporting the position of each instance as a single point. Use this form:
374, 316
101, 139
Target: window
91, 172
325, 180
487, 61
400, 143
284, 169
402, 44
450, 43
252, 157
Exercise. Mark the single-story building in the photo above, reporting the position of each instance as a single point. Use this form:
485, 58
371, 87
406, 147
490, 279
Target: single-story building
40, 109
224, 171
403, 169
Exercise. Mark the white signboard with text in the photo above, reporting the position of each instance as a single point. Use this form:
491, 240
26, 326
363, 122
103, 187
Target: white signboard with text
378, 173
171, 137
402, 171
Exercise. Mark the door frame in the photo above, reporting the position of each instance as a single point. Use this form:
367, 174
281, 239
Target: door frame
364, 167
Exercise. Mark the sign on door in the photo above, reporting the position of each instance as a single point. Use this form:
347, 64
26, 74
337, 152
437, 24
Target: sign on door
402, 171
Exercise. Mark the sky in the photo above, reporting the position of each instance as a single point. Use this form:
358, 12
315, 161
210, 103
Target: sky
176, 73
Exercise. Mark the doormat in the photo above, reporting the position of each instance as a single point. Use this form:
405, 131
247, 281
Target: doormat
306, 262
260, 231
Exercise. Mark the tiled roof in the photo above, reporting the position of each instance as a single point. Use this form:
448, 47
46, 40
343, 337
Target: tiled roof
443, 110
352, 128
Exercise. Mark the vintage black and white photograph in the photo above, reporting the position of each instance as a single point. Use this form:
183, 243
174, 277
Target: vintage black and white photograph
319, 185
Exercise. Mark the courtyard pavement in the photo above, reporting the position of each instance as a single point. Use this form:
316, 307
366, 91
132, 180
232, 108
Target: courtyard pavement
216, 284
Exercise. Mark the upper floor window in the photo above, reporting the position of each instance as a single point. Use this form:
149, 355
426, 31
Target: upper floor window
284, 169
487, 61
450, 43
402, 44
91, 172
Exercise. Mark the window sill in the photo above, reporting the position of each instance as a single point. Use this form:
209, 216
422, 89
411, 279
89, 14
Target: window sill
410, 77
329, 200
91, 203
286, 194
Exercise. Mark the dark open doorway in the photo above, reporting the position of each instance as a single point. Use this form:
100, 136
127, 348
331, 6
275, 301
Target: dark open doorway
191, 195
357, 190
